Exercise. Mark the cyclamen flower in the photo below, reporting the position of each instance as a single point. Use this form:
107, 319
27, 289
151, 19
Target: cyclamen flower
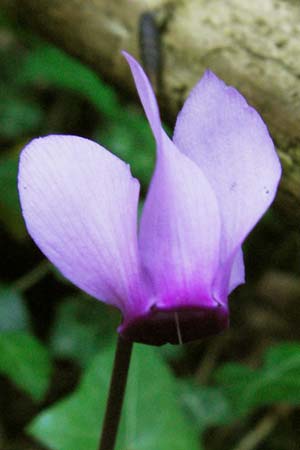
211, 184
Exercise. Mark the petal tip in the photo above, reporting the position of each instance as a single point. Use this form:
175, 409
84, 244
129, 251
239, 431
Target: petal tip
211, 81
146, 94
133, 63
210, 77
126, 54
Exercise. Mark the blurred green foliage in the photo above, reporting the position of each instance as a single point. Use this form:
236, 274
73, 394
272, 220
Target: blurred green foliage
18, 115
125, 131
278, 380
82, 327
9, 202
151, 410
239, 389
26, 362
43, 91
13, 312
42, 70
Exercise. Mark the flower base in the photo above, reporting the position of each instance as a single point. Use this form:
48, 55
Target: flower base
175, 326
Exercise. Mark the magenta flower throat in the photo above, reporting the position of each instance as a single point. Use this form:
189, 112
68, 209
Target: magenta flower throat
171, 276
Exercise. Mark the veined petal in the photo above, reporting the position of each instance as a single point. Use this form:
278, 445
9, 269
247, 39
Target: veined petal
180, 231
79, 202
178, 241
229, 141
180, 223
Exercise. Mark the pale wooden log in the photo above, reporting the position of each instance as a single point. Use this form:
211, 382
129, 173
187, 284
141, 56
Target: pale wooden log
253, 45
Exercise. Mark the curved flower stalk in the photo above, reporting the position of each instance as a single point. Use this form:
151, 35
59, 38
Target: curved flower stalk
212, 183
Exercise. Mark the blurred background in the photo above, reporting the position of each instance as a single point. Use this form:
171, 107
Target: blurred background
237, 391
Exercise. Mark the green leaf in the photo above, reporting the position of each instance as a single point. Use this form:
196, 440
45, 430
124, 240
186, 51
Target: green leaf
151, 413
48, 65
13, 313
18, 115
82, 327
26, 362
278, 380
10, 211
207, 406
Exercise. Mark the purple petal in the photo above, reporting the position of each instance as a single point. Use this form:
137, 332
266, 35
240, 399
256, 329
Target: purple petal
146, 94
180, 224
179, 243
180, 231
229, 141
80, 206
237, 275
230, 274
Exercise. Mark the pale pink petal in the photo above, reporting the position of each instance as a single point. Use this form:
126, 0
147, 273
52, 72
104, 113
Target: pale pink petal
80, 206
229, 141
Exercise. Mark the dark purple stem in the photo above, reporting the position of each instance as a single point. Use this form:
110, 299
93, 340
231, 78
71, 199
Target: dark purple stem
116, 394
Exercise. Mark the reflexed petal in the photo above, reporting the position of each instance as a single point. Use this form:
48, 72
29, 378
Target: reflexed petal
179, 231
229, 141
179, 243
180, 224
80, 206
146, 95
